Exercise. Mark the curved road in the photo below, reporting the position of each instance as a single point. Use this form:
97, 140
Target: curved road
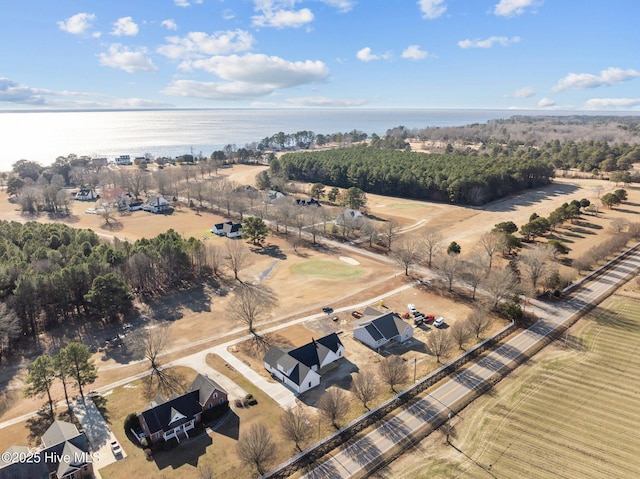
421, 416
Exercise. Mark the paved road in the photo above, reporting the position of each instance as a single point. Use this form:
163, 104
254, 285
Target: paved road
426, 413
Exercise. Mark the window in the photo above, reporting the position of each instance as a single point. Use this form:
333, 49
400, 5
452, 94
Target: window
210, 405
221, 400
309, 383
215, 395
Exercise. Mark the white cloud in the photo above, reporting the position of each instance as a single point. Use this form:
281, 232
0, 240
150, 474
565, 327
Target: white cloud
185, 3
526, 92
413, 52
130, 61
366, 56
216, 90
12, 92
611, 103
169, 24
432, 8
198, 44
581, 81
510, 8
228, 14
283, 18
260, 70
322, 101
125, 26
342, 6
78, 23
546, 103
488, 42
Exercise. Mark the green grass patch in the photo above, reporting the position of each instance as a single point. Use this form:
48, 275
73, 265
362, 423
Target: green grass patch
327, 269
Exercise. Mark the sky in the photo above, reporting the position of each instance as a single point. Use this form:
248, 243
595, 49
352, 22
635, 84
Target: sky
467, 54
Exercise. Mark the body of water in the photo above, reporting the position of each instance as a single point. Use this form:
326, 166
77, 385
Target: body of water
44, 135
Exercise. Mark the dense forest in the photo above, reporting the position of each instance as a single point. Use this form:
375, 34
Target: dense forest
51, 273
451, 177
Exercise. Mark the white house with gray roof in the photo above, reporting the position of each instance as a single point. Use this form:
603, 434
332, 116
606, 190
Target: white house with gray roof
377, 329
300, 368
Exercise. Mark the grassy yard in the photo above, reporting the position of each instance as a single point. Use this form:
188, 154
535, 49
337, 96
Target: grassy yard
572, 413
327, 269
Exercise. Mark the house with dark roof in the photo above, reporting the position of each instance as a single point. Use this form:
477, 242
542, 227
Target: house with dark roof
300, 368
210, 393
64, 454
228, 229
176, 416
307, 202
377, 329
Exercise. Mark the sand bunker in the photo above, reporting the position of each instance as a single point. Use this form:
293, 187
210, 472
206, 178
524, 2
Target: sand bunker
348, 260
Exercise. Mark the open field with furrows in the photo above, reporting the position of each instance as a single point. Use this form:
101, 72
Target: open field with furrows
572, 412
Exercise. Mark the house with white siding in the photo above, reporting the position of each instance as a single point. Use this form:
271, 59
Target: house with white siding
377, 329
300, 369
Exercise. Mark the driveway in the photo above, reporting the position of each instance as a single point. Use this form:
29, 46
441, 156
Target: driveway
97, 431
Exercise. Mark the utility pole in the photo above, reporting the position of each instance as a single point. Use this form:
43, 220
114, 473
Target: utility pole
415, 363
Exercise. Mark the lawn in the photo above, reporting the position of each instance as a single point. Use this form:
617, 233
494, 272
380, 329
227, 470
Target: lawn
571, 413
327, 269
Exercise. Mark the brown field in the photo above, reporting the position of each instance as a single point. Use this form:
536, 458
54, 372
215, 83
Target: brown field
571, 412
198, 315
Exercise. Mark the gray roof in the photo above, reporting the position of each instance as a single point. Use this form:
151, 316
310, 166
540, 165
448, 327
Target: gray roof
205, 387
300, 360
58, 432
386, 326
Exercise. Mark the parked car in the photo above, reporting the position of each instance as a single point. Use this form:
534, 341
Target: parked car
412, 308
327, 309
356, 314
116, 449
418, 320
439, 322
429, 317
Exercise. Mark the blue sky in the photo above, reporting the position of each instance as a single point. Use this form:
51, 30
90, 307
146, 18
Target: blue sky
523, 54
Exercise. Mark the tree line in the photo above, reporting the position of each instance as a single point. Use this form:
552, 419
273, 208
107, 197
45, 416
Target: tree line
453, 177
52, 273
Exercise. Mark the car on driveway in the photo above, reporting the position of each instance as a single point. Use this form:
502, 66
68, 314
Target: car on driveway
116, 449
412, 308
439, 322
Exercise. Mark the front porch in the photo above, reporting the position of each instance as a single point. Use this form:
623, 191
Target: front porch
180, 431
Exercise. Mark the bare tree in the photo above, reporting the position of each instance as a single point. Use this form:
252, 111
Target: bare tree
450, 266
296, 426
250, 303
365, 386
535, 262
432, 245
162, 181
500, 283
334, 405
618, 225
408, 253
474, 272
390, 231
439, 343
492, 242
237, 257
9, 328
369, 231
154, 342
460, 332
215, 257
393, 371
256, 447
479, 321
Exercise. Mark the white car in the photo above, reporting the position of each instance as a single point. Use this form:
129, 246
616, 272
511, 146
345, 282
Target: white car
116, 449
439, 322
412, 308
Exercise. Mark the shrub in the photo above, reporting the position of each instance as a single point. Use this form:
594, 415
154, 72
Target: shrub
250, 400
148, 454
